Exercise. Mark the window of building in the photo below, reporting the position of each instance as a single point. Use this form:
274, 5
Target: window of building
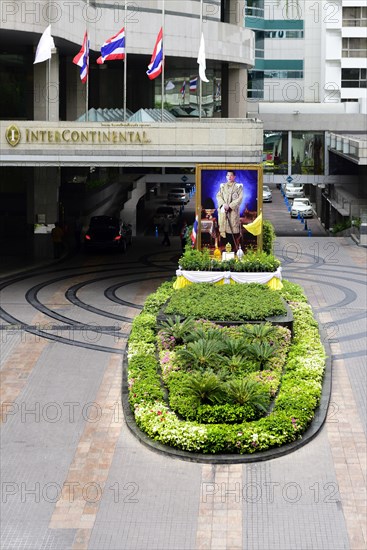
354, 78
255, 8
354, 47
16, 86
182, 89
283, 34
355, 16
308, 153
255, 85
283, 74
275, 153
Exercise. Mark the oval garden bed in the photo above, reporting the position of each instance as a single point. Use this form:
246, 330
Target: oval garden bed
201, 387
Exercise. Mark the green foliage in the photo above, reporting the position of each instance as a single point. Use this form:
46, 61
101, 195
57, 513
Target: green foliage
253, 260
200, 397
177, 327
226, 413
195, 260
292, 292
341, 226
203, 333
268, 237
226, 302
201, 354
259, 333
204, 388
155, 301
245, 391
261, 353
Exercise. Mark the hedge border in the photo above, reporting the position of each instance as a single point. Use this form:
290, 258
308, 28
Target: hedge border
231, 458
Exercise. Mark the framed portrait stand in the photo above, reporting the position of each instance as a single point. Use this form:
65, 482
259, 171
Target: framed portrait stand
228, 196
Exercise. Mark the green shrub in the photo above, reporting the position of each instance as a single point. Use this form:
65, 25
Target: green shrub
226, 430
204, 388
268, 237
226, 302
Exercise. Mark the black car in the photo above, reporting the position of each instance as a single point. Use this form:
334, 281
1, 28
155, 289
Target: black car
106, 233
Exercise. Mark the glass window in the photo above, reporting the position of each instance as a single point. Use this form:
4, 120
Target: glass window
308, 153
353, 78
283, 74
255, 8
181, 96
275, 153
354, 47
354, 16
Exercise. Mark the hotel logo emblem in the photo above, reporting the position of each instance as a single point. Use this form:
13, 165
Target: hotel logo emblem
13, 135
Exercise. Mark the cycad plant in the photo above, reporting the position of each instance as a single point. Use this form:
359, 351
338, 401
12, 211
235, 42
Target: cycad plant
259, 333
204, 388
201, 333
234, 346
261, 353
244, 391
177, 327
201, 354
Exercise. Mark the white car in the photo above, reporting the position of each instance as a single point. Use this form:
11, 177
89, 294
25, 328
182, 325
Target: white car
303, 207
267, 194
177, 195
293, 191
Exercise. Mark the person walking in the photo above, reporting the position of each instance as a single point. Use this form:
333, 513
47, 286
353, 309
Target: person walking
184, 234
57, 235
166, 226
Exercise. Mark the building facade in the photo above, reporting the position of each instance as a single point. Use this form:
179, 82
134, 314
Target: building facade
47, 141
309, 80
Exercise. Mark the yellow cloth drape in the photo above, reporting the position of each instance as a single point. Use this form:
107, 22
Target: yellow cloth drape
181, 282
255, 227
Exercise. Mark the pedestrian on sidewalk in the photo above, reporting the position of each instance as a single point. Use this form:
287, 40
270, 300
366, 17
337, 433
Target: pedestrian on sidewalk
184, 234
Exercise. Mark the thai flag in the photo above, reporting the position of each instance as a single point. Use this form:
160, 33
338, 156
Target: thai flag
113, 48
82, 59
193, 84
183, 89
156, 61
194, 231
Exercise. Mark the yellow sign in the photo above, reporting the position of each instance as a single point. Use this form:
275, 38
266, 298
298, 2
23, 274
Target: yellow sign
13, 135
129, 136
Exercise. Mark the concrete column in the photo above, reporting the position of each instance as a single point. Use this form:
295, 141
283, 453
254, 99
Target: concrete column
237, 92
46, 89
237, 12
75, 91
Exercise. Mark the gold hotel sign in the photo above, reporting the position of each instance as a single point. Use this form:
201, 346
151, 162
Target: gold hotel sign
69, 136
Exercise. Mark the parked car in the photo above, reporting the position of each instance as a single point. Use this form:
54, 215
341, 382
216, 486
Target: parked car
177, 195
267, 194
162, 211
294, 190
106, 233
303, 207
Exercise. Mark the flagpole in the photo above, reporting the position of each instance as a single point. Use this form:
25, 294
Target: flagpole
200, 81
125, 62
163, 56
88, 67
49, 68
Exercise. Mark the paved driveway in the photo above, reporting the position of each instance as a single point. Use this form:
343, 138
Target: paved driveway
73, 476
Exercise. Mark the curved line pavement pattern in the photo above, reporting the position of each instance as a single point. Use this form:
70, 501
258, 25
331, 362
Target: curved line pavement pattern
73, 475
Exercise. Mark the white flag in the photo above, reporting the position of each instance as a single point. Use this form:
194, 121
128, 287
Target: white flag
170, 85
44, 47
201, 60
